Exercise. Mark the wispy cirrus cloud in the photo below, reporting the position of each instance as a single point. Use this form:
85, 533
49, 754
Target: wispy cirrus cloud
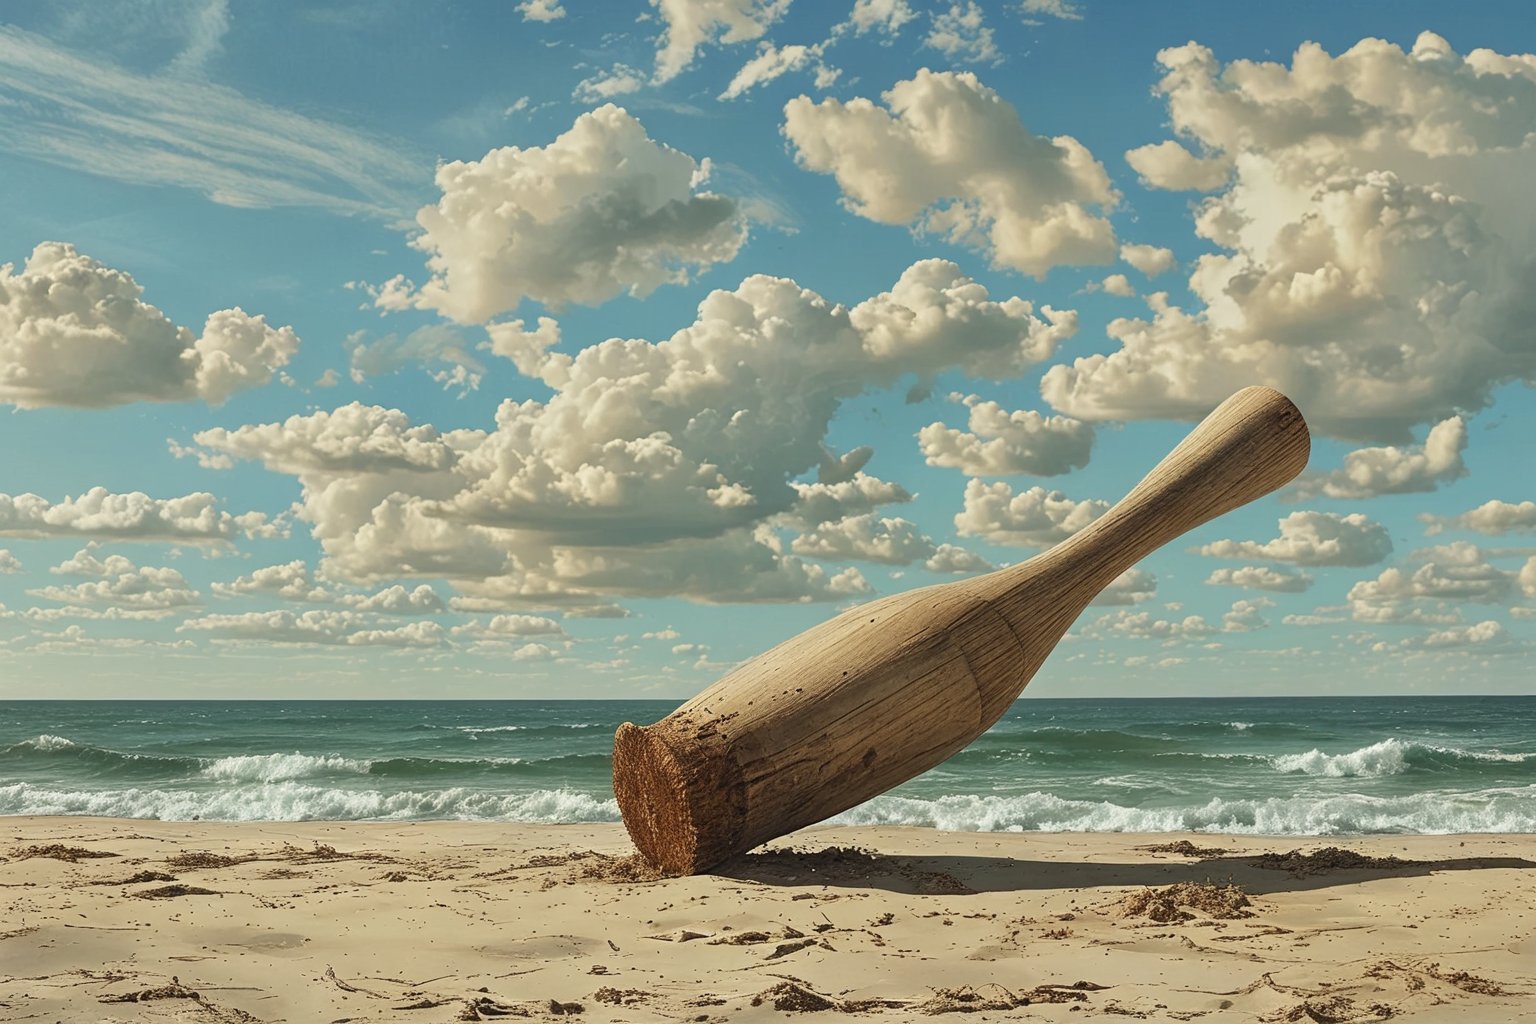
74, 110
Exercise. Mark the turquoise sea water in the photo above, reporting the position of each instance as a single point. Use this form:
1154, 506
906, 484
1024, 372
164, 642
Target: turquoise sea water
1299, 766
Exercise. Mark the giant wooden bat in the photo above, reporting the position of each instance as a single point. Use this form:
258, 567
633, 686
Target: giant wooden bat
887, 690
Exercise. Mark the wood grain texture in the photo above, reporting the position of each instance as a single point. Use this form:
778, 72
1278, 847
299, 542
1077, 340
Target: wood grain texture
887, 690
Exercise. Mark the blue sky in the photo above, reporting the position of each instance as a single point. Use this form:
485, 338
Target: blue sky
585, 349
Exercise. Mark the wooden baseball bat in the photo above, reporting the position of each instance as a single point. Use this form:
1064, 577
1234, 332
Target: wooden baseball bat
887, 690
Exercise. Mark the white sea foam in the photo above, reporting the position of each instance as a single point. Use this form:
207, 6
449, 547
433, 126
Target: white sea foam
1494, 810
1240, 726
280, 767
1389, 757
292, 801
1484, 755
1510, 809
475, 730
47, 742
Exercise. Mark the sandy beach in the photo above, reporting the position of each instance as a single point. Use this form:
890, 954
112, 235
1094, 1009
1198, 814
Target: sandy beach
119, 920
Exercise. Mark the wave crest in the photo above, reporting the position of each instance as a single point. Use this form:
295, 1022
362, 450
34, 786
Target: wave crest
291, 801
280, 767
1437, 813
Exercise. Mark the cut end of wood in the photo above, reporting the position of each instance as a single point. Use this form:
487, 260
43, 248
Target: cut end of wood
680, 790
684, 811
651, 788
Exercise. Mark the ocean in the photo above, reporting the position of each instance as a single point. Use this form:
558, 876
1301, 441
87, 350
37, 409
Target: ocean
1295, 766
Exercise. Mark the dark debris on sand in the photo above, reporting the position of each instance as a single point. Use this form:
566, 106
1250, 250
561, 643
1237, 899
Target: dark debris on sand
971, 1000
620, 996
1329, 858
58, 851
137, 878
208, 1010
192, 860
1330, 1010
795, 996
175, 990
1413, 976
172, 891
1185, 848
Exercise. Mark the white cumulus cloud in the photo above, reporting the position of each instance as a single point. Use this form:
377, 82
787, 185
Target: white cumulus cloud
886, 16
618, 80
1426, 589
654, 468
291, 581
192, 518
1491, 517
1032, 518
1001, 442
1314, 538
76, 332
691, 24
541, 10
955, 560
1261, 577
1151, 260
601, 210
868, 538
1369, 472
962, 34
1129, 588
947, 155
1372, 246
120, 584
397, 600
1169, 165
316, 626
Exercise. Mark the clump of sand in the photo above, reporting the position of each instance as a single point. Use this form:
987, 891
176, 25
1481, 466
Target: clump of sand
752, 938
1185, 848
1464, 981
971, 1000
1332, 1010
175, 990
1413, 977
319, 853
634, 868
166, 892
1060, 993
620, 996
191, 860
1329, 858
137, 878
795, 996
58, 851
792, 997
1166, 905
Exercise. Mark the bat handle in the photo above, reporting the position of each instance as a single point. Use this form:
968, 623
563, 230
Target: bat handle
1253, 443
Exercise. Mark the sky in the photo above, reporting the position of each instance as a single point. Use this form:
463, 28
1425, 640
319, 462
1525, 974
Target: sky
555, 348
